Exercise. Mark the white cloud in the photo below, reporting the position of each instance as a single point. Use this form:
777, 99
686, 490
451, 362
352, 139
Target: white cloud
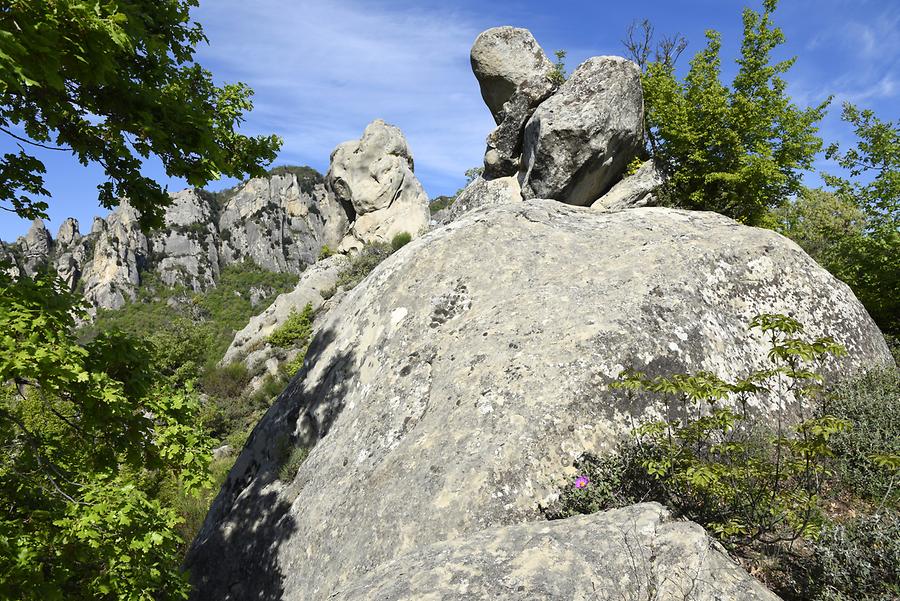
323, 70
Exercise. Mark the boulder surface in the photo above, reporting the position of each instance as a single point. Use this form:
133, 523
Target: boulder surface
579, 141
449, 393
634, 553
375, 176
503, 58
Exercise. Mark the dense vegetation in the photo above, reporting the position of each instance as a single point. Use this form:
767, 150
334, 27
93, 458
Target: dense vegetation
810, 504
741, 150
100, 435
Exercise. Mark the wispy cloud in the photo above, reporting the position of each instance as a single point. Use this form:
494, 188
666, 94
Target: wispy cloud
323, 70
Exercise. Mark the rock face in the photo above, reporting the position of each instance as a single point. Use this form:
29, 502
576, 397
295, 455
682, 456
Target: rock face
186, 248
118, 255
634, 553
314, 286
483, 193
280, 222
449, 393
578, 143
503, 58
570, 142
374, 175
636, 190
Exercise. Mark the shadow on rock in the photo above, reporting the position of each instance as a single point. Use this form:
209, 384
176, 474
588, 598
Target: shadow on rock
236, 554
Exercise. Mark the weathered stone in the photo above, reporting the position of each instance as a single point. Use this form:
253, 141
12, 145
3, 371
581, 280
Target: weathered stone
280, 224
634, 553
580, 141
483, 193
375, 176
636, 190
450, 392
316, 283
186, 248
503, 58
35, 247
504, 144
68, 233
119, 255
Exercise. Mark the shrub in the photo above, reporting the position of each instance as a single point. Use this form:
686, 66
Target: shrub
363, 263
400, 240
296, 331
858, 560
228, 382
292, 462
767, 491
872, 404
325, 252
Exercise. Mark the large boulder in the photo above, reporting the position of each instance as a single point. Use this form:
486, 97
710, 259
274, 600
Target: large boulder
578, 142
481, 192
375, 176
637, 552
640, 189
503, 58
450, 392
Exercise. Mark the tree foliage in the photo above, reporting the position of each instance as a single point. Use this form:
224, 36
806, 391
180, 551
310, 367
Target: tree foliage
87, 432
870, 262
115, 83
736, 150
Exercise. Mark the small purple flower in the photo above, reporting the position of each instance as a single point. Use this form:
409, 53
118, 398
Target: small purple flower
582, 482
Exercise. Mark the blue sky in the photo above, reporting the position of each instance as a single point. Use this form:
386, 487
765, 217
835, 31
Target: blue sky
323, 69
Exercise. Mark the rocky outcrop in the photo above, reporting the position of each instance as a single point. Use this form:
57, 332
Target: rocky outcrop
280, 222
316, 284
504, 144
448, 395
634, 553
185, 251
504, 58
637, 190
374, 175
35, 247
570, 142
483, 193
578, 143
119, 254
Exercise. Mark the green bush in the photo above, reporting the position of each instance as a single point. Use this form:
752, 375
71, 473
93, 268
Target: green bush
325, 252
363, 263
296, 330
228, 382
292, 463
400, 240
858, 560
767, 490
872, 404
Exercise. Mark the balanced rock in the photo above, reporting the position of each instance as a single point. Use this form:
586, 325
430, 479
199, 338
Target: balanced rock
578, 142
636, 190
374, 176
503, 58
448, 395
637, 552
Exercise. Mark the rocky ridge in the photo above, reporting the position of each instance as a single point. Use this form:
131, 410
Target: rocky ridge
280, 222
